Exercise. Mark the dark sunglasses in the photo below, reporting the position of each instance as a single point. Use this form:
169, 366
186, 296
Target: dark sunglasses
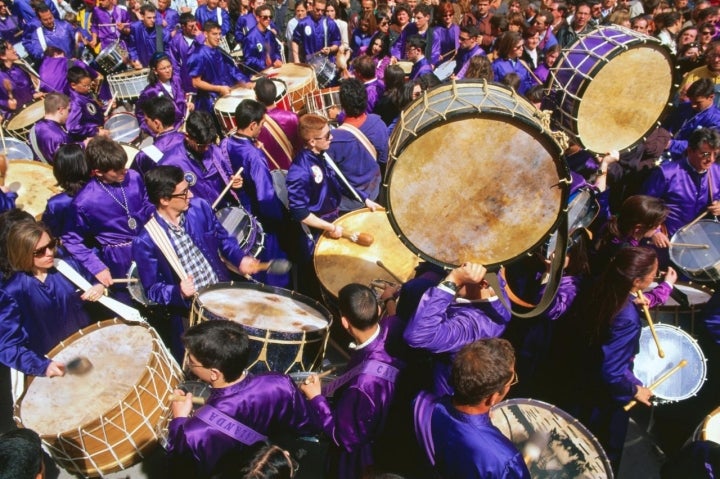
41, 251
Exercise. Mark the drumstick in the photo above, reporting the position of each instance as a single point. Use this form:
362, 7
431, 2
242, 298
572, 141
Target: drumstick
387, 270
7, 84
195, 399
693, 222
362, 239
321, 375
641, 297
78, 366
226, 189
657, 383
689, 245
110, 105
275, 266
124, 280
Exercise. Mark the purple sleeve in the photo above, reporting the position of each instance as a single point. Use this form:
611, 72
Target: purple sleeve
435, 50
353, 422
618, 353
298, 186
145, 255
7, 200
656, 185
567, 291
13, 337
132, 41
658, 295
74, 241
228, 245
678, 147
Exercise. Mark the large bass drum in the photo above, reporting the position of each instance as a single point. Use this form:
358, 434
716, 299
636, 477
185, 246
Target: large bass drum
597, 104
474, 176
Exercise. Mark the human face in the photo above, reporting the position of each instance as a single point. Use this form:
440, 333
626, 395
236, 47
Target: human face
212, 38
47, 20
412, 53
179, 201
701, 103
105, 4
44, 252
322, 141
551, 58
300, 12
641, 26
702, 158
421, 20
403, 18
164, 70
412, 4
466, 41
368, 6
83, 87
540, 23
713, 59
264, 19
483, 7
212, 4
318, 10
194, 366
516, 50
514, 7
3, 10
644, 282
190, 29
112, 176
376, 47
688, 36
532, 42
447, 18
148, 19
163, 5
706, 35
330, 11
384, 25
582, 16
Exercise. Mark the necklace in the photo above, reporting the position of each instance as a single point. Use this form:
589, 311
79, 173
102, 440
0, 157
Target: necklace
132, 224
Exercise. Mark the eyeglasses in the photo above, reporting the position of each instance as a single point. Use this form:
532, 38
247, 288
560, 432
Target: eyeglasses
265, 17
514, 380
518, 47
707, 154
191, 365
448, 15
326, 137
182, 195
463, 39
41, 251
383, 24
708, 33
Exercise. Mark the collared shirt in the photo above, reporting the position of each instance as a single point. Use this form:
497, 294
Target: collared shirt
369, 340
192, 260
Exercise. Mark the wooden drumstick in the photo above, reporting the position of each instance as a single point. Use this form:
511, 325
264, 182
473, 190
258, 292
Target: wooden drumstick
275, 266
689, 245
226, 189
320, 376
200, 401
110, 105
646, 310
124, 280
363, 239
657, 383
693, 222
387, 270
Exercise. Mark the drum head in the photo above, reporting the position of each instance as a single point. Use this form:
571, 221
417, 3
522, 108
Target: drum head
500, 194
711, 427
677, 345
339, 261
19, 124
699, 263
567, 448
16, 150
123, 127
34, 184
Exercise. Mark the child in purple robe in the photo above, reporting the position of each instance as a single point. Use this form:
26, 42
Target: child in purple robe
87, 116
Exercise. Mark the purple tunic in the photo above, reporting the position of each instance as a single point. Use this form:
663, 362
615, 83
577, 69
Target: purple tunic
100, 16
269, 403
359, 412
462, 61
502, 67
259, 47
442, 325
312, 187
85, 118
288, 123
62, 37
7, 200
359, 41
684, 121
99, 236
156, 90
49, 135
10, 29
244, 25
180, 49
684, 191
375, 89
169, 18
163, 144
449, 43
432, 50
22, 89
142, 42
57, 214
218, 15
313, 35
53, 74
214, 67
420, 68
23, 10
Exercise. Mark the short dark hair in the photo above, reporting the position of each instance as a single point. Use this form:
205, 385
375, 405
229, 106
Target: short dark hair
416, 41
247, 112
147, 7
359, 305
186, 18
219, 344
365, 66
422, 8
76, 74
481, 369
258, 10
21, 454
160, 182
702, 87
105, 154
265, 91
159, 108
471, 30
70, 168
211, 25
704, 135
54, 101
353, 97
200, 126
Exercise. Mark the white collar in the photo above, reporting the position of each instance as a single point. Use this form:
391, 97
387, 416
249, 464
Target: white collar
372, 338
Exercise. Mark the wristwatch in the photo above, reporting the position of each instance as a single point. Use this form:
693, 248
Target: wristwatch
450, 285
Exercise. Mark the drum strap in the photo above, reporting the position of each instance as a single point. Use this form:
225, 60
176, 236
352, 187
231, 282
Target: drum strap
221, 171
280, 137
372, 367
41, 38
337, 171
161, 240
357, 133
233, 428
34, 144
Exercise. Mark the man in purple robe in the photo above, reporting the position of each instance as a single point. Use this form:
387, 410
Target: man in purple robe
87, 116
359, 145
171, 89
16, 88
456, 432
10, 25
49, 134
143, 41
365, 71
158, 115
107, 214
23, 9
260, 47
444, 323
108, 23
315, 34
45, 32
182, 45
421, 26
415, 46
279, 134
211, 12
166, 16
699, 112
258, 405
363, 395
468, 48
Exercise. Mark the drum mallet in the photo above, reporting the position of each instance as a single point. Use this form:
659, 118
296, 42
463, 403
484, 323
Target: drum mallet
195, 399
78, 366
226, 189
362, 239
124, 280
657, 383
275, 266
690, 245
387, 270
641, 297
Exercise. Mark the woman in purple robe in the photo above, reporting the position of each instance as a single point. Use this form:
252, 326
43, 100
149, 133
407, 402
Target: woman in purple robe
379, 51
163, 81
71, 172
447, 32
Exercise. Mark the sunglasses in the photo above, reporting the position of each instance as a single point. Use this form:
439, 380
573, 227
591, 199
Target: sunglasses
326, 137
41, 251
265, 17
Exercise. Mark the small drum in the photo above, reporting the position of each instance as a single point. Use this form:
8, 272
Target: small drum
554, 443
135, 288
488, 145
288, 331
225, 107
20, 123
105, 420
16, 150
325, 102
282, 99
678, 345
445, 70
128, 85
596, 104
244, 228
709, 429
696, 250
34, 184
405, 65
325, 69
123, 127
340, 261
111, 58
131, 152
299, 79
582, 211
683, 317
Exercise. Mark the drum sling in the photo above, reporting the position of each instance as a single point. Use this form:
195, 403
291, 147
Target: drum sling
361, 138
280, 137
233, 428
162, 241
372, 367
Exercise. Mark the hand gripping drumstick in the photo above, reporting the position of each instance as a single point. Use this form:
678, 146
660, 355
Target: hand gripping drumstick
657, 383
226, 189
362, 239
195, 400
110, 105
641, 297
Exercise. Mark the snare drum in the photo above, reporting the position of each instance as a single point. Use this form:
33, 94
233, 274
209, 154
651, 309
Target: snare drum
709, 429
325, 102
244, 227
16, 150
111, 58
677, 345
701, 263
683, 317
225, 107
123, 127
499, 216
20, 123
325, 69
596, 104
128, 85
288, 331
570, 448
105, 420
34, 184
340, 261
300, 81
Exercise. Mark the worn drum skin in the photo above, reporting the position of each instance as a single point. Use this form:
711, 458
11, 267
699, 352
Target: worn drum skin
34, 184
20, 123
474, 176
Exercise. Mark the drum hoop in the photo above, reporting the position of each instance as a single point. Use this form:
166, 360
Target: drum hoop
700, 287
463, 114
8, 123
706, 420
700, 268
131, 74
31, 163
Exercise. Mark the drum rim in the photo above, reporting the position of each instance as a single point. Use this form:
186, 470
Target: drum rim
551, 146
32, 163
706, 420
565, 415
688, 284
694, 270
555, 86
27, 106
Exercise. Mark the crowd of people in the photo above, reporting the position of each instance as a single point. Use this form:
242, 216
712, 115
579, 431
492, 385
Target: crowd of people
429, 358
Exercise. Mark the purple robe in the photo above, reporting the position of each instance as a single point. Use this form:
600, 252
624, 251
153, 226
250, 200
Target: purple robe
169, 18
57, 214
359, 412
502, 67
99, 236
25, 12
258, 47
420, 68
462, 61
149, 156
442, 326
215, 67
432, 49
107, 35
45, 313
684, 121
22, 89
465, 445
269, 404
10, 29
542, 72
86, 116
180, 49
49, 136
53, 74
62, 37
156, 90
244, 25
142, 42
313, 187
449, 43
683, 190
312, 36
359, 42
7, 200
288, 123
217, 15
375, 89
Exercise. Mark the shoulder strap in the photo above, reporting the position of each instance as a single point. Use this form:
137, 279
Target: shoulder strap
357, 133
159, 44
233, 428
161, 240
279, 136
41, 38
35, 147
372, 367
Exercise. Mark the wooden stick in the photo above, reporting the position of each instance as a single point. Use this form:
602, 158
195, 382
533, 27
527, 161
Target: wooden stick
195, 400
657, 383
387, 270
226, 189
110, 105
321, 375
641, 297
693, 222
362, 239
124, 280
689, 245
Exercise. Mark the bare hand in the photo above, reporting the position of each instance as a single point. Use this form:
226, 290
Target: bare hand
190, 106
249, 265
38, 94
55, 369
714, 208
311, 387
644, 395
94, 293
12, 104
104, 277
277, 64
182, 408
336, 232
671, 276
224, 90
468, 273
390, 291
325, 50
660, 240
372, 205
137, 65
103, 132
187, 287
237, 181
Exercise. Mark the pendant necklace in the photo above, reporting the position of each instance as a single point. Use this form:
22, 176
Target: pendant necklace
132, 224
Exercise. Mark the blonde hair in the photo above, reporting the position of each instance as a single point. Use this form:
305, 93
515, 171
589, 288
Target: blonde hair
311, 125
21, 241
